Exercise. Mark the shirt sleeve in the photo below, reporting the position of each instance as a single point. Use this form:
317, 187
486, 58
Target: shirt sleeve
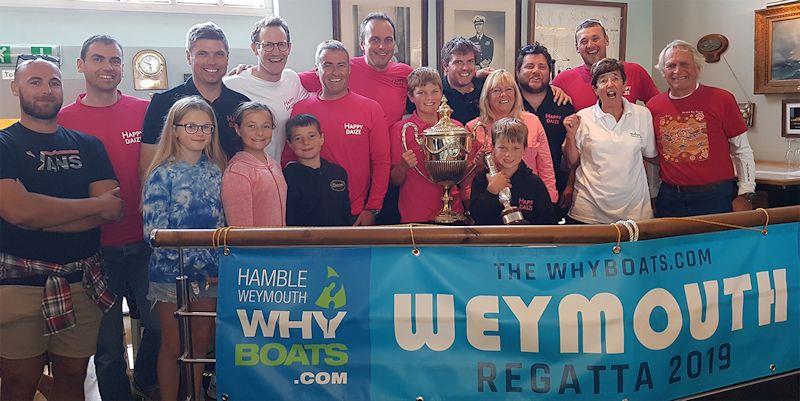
544, 161
543, 213
744, 161
237, 199
396, 141
345, 210
156, 201
153, 121
98, 163
379, 160
310, 81
649, 88
484, 206
649, 149
9, 165
732, 122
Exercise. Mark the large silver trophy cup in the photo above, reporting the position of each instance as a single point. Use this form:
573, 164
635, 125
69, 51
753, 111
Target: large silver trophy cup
446, 149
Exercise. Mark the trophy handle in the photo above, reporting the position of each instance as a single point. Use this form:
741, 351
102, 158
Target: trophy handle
419, 141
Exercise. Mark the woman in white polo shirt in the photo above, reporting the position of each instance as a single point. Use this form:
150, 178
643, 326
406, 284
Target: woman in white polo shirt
607, 144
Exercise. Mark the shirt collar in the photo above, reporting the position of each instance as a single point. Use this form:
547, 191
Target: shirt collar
599, 113
696, 87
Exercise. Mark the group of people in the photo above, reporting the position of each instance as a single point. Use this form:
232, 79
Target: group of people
82, 187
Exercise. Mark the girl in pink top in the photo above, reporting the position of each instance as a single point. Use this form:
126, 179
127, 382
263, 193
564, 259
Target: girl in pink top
253, 187
501, 98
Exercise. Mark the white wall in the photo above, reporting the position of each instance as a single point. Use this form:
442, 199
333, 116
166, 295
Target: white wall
690, 20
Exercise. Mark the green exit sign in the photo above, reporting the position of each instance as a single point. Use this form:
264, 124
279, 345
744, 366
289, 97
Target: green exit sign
5, 54
41, 50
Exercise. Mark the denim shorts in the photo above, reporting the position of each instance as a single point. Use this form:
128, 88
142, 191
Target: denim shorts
167, 292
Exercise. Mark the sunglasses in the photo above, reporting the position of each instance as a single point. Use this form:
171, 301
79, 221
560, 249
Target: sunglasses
28, 57
588, 21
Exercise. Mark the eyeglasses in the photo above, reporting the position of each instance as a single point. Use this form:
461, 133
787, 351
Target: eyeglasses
270, 46
193, 129
28, 57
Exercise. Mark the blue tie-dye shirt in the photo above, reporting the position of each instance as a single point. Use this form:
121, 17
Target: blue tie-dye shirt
181, 195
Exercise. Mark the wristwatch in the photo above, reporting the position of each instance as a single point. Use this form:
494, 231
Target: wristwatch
374, 212
750, 196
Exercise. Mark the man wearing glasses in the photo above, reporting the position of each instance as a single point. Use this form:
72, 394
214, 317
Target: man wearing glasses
207, 53
591, 42
269, 82
57, 187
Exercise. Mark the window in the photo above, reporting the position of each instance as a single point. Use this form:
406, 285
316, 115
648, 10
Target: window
229, 7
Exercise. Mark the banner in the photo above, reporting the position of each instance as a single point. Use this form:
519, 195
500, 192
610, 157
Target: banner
665, 318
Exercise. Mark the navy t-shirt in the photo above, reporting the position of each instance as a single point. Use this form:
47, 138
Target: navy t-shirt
552, 117
317, 196
61, 165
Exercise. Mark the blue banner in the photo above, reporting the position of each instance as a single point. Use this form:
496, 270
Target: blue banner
663, 319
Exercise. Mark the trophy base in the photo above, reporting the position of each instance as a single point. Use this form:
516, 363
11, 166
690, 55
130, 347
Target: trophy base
449, 218
513, 216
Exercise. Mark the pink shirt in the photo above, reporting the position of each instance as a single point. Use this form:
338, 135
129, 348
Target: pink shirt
356, 138
119, 127
537, 155
254, 192
577, 83
388, 87
420, 200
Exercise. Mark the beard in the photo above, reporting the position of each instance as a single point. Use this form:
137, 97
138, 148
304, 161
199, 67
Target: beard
46, 111
526, 87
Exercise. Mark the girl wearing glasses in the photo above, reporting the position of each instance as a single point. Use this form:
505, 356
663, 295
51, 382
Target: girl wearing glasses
182, 190
253, 187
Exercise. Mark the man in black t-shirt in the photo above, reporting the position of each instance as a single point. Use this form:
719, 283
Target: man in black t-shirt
207, 52
57, 187
533, 66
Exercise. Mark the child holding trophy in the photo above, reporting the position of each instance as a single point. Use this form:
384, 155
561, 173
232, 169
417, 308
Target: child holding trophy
491, 199
420, 198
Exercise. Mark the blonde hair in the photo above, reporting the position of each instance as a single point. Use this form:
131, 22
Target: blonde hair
495, 79
168, 144
421, 77
510, 129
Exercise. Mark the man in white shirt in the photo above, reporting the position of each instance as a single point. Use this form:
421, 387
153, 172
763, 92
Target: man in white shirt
269, 82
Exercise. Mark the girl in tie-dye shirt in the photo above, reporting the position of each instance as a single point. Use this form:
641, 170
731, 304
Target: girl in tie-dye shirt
182, 191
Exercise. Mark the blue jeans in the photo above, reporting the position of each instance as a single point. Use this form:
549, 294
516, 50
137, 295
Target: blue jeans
126, 266
671, 203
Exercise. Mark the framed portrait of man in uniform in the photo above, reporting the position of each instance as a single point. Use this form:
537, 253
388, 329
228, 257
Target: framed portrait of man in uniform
493, 26
410, 19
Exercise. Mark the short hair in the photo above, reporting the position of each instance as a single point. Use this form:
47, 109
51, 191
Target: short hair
422, 76
102, 38
699, 60
331, 45
362, 28
205, 30
605, 66
460, 45
588, 23
535, 48
301, 120
268, 22
511, 129
496, 78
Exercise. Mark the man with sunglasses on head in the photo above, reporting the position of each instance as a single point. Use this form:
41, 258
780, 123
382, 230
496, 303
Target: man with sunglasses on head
533, 70
591, 42
207, 53
57, 187
269, 81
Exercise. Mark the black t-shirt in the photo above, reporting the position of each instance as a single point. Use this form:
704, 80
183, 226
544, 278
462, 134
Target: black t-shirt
466, 106
317, 196
223, 106
528, 193
61, 165
552, 117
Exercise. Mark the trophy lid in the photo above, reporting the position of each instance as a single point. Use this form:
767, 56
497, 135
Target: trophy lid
445, 125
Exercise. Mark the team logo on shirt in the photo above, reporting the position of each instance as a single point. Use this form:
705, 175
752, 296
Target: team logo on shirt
132, 137
338, 185
525, 204
57, 160
684, 137
353, 129
552, 118
627, 91
635, 134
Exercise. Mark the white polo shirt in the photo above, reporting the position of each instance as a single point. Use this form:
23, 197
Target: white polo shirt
279, 96
610, 182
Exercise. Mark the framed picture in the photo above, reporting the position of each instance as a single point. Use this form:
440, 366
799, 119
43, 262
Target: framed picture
790, 118
552, 23
493, 25
777, 49
410, 20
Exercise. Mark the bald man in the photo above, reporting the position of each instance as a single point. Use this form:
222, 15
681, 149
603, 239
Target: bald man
57, 186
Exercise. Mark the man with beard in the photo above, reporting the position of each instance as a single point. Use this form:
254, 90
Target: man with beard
355, 130
591, 42
533, 66
116, 120
269, 82
57, 186
207, 53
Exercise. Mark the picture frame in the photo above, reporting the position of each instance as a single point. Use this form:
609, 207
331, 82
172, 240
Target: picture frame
777, 43
502, 21
790, 118
411, 26
552, 23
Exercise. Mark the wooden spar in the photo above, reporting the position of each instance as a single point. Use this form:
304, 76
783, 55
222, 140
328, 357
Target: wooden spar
468, 235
